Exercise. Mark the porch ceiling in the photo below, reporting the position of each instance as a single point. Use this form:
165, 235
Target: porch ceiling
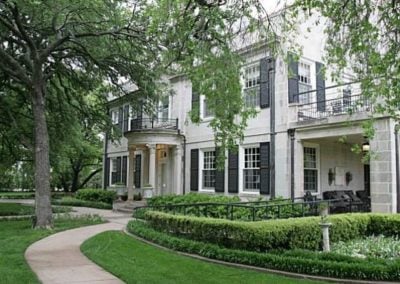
347, 139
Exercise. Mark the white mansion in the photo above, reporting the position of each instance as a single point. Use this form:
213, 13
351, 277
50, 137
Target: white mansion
300, 141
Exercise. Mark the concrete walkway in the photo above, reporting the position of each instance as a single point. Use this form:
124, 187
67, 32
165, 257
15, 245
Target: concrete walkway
58, 259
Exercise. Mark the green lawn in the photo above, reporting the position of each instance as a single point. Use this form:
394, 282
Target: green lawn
136, 262
16, 195
16, 236
14, 209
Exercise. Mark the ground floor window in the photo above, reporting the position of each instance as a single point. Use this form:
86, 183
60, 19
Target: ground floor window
311, 169
251, 169
209, 169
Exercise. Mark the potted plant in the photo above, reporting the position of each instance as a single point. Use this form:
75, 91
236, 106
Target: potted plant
147, 191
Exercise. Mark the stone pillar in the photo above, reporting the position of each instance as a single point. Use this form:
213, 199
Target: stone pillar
131, 176
178, 170
152, 165
383, 168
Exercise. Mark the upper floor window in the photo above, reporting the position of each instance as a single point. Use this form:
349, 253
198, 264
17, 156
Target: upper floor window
251, 91
115, 116
304, 82
163, 114
208, 169
207, 111
251, 169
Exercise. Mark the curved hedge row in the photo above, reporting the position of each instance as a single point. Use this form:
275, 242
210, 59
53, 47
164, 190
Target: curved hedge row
296, 233
297, 261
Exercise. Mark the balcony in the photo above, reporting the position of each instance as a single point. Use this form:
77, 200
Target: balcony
141, 124
345, 101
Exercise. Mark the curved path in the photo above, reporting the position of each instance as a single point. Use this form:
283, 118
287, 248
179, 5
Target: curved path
58, 259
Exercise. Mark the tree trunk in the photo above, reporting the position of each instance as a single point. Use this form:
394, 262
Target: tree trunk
42, 162
75, 180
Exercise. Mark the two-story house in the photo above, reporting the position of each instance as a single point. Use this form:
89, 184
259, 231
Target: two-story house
303, 138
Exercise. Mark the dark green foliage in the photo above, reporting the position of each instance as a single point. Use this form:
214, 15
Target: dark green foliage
296, 233
298, 261
190, 199
16, 209
96, 195
69, 201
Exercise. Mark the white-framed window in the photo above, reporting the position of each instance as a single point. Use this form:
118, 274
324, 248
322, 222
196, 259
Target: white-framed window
208, 170
207, 112
311, 168
115, 116
251, 90
163, 113
305, 84
251, 169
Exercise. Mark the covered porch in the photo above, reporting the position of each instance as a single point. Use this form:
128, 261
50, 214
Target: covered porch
155, 162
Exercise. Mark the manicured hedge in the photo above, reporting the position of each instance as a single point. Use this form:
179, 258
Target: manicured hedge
190, 199
295, 233
297, 261
69, 201
96, 195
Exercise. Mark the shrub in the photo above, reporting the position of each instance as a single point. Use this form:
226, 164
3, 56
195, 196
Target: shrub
190, 199
298, 261
69, 201
97, 195
295, 233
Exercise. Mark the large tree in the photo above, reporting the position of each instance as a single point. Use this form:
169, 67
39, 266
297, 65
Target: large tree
48, 46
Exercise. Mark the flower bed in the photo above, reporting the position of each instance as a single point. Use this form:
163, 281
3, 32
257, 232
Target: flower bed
370, 247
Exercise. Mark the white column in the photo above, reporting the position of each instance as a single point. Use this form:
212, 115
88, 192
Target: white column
152, 165
178, 170
131, 177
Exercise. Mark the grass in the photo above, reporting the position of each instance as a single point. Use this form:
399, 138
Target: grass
16, 236
136, 262
17, 195
16, 209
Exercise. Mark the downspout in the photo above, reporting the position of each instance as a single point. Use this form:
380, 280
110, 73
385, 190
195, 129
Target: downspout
396, 139
272, 131
291, 133
184, 165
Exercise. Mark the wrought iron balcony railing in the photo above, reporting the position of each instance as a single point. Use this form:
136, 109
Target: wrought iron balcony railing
324, 109
153, 123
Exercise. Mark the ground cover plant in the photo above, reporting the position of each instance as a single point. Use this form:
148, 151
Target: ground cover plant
370, 247
16, 209
136, 262
16, 236
298, 261
71, 201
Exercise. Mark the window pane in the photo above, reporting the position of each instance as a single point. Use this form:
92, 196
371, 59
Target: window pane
209, 169
310, 180
310, 158
251, 171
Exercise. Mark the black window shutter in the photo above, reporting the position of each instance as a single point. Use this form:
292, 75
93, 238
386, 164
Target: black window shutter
118, 178
233, 172
194, 170
120, 117
319, 69
267, 66
124, 169
107, 173
138, 170
293, 80
264, 168
126, 118
219, 175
